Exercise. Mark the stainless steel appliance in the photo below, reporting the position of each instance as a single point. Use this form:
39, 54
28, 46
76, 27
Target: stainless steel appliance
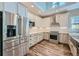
54, 36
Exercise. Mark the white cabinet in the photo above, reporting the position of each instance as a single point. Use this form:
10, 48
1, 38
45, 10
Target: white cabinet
8, 52
63, 38
25, 50
8, 47
1, 6
16, 50
23, 47
10, 7
46, 35
35, 38
40, 37
62, 19
72, 47
21, 10
15, 47
11, 18
32, 40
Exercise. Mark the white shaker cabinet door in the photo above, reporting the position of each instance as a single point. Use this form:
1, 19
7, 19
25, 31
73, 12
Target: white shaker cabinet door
72, 48
17, 50
63, 38
8, 52
10, 7
1, 6
46, 35
21, 10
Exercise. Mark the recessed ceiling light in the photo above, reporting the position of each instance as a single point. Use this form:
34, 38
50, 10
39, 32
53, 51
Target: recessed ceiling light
32, 5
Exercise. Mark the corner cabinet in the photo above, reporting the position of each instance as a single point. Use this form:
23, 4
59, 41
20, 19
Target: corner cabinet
63, 38
46, 35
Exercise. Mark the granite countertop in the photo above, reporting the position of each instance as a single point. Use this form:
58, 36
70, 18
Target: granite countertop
75, 36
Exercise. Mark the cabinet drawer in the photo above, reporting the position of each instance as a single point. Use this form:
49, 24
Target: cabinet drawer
7, 44
16, 42
8, 52
25, 39
16, 50
30, 44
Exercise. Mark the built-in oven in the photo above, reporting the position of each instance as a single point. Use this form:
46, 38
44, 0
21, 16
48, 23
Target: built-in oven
54, 36
11, 30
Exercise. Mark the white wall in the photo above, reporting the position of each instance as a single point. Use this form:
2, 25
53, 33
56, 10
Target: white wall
39, 22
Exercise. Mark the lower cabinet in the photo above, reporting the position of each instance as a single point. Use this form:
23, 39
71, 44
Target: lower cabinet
8, 52
23, 48
63, 38
15, 47
46, 35
72, 47
35, 38
16, 50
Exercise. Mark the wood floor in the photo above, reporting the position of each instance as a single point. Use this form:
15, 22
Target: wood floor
46, 48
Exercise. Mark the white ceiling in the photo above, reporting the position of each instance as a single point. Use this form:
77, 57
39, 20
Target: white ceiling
34, 9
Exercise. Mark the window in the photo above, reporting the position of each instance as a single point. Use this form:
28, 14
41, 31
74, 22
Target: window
75, 24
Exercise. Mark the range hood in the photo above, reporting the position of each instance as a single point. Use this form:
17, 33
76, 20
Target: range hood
53, 21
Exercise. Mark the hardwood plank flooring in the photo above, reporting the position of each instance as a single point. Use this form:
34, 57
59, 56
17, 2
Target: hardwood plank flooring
46, 48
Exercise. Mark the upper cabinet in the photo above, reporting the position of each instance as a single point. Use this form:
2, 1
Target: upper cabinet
11, 18
1, 6
10, 7
21, 10
62, 19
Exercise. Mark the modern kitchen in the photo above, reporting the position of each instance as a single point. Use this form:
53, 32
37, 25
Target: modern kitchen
39, 28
